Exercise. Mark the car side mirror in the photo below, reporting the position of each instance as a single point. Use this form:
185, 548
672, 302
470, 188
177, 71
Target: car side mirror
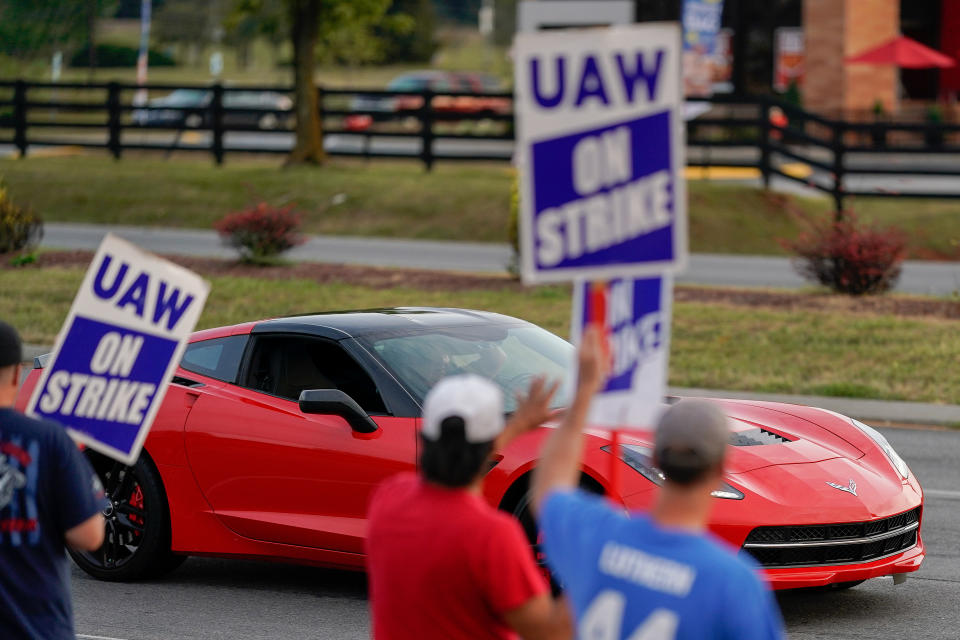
336, 402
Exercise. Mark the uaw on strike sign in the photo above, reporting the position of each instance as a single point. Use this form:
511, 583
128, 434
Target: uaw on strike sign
600, 152
635, 313
603, 198
118, 348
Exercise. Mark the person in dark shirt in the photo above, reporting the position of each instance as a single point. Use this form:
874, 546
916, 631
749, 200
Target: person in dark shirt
49, 496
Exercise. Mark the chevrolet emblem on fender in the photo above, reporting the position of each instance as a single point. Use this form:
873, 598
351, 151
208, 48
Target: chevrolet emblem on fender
851, 488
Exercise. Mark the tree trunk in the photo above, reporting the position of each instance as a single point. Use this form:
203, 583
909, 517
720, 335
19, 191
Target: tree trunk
91, 39
304, 21
243, 54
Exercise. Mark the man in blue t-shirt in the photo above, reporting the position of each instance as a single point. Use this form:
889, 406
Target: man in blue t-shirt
648, 577
49, 496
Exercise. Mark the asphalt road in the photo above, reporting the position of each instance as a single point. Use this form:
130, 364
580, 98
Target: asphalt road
208, 598
920, 277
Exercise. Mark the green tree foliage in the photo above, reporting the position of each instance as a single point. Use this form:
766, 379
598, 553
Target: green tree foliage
241, 31
190, 26
365, 35
252, 19
30, 29
408, 31
338, 30
313, 23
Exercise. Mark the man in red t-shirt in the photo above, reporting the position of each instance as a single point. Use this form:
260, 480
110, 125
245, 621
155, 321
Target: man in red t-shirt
442, 563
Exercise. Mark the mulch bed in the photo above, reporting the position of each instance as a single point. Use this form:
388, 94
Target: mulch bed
387, 278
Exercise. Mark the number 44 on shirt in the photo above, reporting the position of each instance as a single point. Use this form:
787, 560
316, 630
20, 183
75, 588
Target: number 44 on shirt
604, 617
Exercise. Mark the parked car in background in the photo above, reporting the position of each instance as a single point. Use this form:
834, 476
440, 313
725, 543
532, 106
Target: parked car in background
190, 109
482, 83
383, 108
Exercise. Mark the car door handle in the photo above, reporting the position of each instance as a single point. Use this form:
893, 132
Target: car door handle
190, 397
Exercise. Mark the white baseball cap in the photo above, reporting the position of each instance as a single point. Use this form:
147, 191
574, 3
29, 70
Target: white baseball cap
475, 400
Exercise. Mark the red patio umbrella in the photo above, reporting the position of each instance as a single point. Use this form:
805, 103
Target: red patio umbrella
904, 53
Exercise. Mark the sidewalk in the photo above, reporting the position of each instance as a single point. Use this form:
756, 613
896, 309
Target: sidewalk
876, 410
918, 277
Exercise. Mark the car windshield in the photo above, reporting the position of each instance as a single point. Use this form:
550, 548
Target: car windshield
409, 83
509, 355
184, 98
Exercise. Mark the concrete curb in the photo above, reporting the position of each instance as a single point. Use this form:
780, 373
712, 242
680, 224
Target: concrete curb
876, 410
867, 410
918, 277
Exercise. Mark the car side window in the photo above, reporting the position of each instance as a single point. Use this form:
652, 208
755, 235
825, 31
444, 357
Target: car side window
218, 358
285, 366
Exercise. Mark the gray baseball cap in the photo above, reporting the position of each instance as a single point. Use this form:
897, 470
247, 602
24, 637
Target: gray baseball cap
692, 435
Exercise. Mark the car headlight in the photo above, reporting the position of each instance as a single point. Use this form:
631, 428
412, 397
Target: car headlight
641, 460
895, 460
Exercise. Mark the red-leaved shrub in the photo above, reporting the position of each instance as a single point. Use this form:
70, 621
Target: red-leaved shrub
849, 256
261, 232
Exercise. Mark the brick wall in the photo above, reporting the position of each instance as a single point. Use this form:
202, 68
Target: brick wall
836, 29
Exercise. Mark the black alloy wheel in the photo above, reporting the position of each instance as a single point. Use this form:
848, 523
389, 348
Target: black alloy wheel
137, 538
523, 512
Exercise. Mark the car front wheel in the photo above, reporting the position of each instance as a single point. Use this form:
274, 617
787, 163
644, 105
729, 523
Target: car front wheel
137, 538
523, 512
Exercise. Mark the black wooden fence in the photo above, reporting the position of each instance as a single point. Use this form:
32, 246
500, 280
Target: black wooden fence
760, 133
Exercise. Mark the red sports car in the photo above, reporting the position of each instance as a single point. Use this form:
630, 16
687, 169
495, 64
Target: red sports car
273, 435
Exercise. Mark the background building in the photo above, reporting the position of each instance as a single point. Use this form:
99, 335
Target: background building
833, 30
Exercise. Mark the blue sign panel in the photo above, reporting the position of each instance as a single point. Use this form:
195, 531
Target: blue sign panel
103, 380
604, 220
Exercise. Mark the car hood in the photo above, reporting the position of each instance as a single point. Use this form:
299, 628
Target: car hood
835, 490
769, 435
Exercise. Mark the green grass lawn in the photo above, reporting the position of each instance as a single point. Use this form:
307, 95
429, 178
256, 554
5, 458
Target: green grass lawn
398, 198
386, 199
713, 345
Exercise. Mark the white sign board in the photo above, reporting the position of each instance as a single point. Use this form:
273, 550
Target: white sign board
600, 148
536, 15
119, 347
635, 313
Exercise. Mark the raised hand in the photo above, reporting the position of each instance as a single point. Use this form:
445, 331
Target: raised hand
593, 361
533, 409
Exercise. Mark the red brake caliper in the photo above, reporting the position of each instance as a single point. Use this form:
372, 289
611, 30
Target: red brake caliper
136, 500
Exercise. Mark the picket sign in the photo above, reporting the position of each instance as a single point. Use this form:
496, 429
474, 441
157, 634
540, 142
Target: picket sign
634, 316
118, 348
600, 152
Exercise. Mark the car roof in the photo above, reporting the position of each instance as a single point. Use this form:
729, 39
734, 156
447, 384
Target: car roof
422, 73
344, 324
